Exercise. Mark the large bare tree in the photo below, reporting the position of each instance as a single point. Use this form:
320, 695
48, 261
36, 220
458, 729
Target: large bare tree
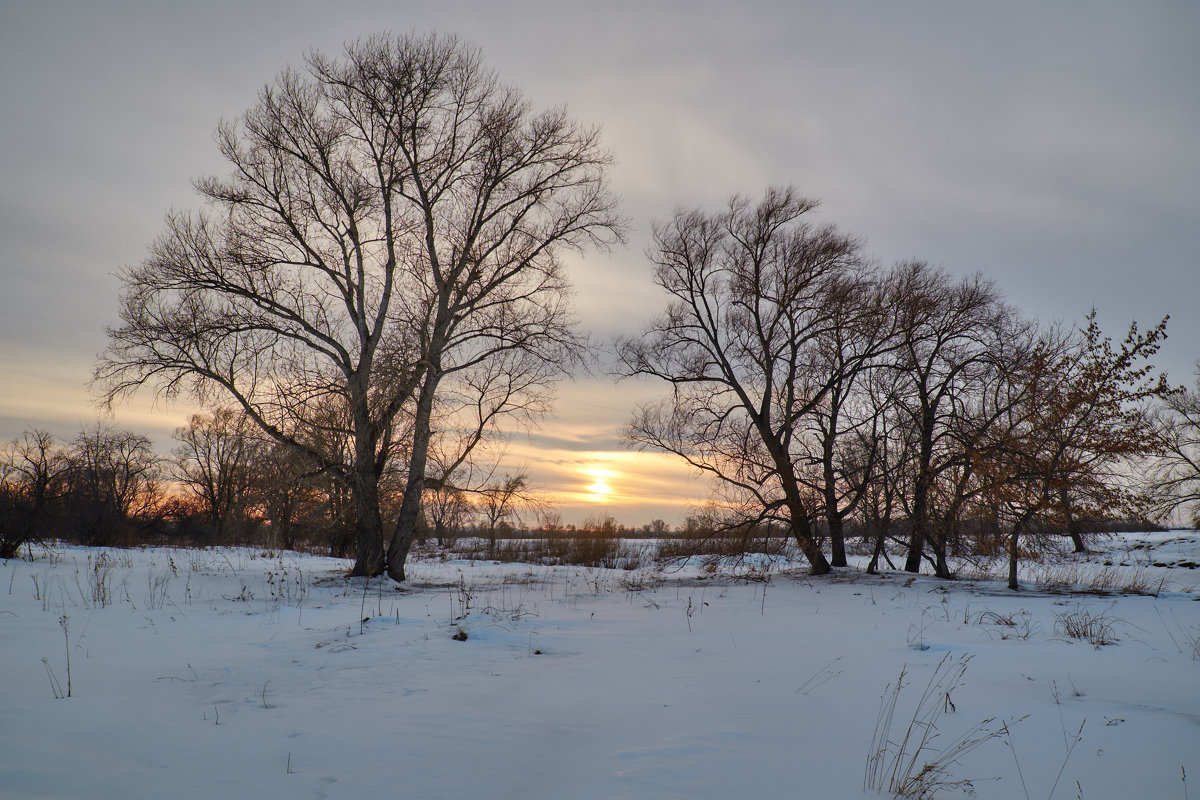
392, 218
951, 331
845, 427
752, 291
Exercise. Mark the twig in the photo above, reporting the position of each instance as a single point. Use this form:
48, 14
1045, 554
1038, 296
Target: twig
1071, 749
823, 675
55, 686
1017, 761
362, 612
65, 622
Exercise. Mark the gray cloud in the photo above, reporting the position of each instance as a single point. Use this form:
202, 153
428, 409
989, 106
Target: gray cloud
1050, 146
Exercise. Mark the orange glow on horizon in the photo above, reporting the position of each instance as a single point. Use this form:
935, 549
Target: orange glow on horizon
633, 487
578, 464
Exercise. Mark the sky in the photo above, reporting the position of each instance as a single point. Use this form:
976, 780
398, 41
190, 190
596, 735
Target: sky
1052, 147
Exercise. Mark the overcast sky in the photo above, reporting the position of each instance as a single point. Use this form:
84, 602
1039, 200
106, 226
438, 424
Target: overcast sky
1054, 147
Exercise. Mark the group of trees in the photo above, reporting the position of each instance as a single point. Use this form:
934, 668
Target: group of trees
99, 490
377, 284
814, 385
224, 482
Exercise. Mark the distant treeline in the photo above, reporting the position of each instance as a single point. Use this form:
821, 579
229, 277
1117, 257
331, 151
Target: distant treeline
223, 486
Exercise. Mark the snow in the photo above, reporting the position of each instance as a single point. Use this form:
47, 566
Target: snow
231, 672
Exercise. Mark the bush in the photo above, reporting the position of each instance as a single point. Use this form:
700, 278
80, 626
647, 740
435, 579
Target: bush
719, 549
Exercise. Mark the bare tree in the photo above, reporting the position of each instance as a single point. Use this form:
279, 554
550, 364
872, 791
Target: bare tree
32, 471
392, 218
550, 521
296, 499
448, 511
844, 440
949, 330
1176, 473
656, 527
113, 483
215, 463
886, 482
506, 499
601, 523
751, 291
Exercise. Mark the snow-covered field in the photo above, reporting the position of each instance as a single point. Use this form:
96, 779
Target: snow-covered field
242, 674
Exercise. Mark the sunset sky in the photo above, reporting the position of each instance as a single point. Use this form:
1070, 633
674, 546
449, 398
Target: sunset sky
1053, 147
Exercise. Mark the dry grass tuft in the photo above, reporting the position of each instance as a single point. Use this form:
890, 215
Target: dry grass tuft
1097, 629
912, 765
587, 550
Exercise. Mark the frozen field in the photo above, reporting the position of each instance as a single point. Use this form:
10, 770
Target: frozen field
243, 674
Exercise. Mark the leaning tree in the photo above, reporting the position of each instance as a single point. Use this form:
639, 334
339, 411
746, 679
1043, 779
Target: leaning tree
753, 296
392, 218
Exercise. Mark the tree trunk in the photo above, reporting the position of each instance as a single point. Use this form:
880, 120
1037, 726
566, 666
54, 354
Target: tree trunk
820, 566
837, 541
410, 506
369, 560
920, 515
883, 523
369, 557
802, 532
837, 538
1073, 528
1013, 556
801, 524
920, 522
916, 545
397, 555
940, 567
880, 550
937, 539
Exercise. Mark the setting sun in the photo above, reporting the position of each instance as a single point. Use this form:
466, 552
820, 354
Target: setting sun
600, 490
634, 487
